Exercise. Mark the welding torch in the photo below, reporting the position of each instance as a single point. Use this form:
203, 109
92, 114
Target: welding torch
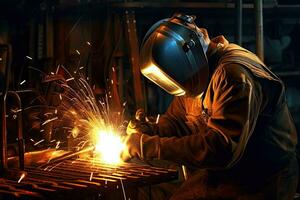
142, 123
148, 126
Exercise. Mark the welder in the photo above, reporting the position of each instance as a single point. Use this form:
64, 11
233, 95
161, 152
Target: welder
228, 122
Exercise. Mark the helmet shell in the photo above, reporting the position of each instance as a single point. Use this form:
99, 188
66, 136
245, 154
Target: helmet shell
172, 57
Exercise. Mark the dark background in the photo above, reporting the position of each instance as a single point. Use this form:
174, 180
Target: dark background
51, 31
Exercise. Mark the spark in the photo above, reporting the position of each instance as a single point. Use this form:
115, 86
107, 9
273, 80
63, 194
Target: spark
31, 140
83, 144
88, 43
21, 177
81, 67
49, 120
157, 119
57, 69
42, 140
42, 130
89, 120
75, 132
0, 59
30, 58
45, 169
52, 73
91, 176
52, 141
73, 112
112, 81
123, 190
54, 166
80, 143
16, 110
22, 82
57, 144
70, 79
77, 51
48, 113
113, 69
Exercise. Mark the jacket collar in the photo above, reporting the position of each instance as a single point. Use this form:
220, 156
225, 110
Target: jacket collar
214, 52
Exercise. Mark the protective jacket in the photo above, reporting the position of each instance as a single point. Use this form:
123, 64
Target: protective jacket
238, 137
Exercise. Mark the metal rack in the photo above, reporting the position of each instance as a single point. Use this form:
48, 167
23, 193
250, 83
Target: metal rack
78, 178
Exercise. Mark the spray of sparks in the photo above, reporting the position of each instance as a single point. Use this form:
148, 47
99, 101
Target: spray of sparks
90, 121
79, 115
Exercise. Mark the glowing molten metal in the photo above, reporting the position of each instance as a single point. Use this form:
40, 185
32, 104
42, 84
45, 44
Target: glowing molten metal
108, 145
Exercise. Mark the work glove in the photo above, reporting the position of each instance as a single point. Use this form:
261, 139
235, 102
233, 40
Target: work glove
132, 146
141, 124
141, 146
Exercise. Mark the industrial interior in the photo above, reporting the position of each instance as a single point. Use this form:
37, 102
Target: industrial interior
71, 81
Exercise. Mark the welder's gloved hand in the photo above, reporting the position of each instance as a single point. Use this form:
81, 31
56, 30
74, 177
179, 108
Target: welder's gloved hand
132, 146
141, 124
141, 146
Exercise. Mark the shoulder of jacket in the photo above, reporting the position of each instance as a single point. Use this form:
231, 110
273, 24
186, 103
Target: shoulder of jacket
232, 72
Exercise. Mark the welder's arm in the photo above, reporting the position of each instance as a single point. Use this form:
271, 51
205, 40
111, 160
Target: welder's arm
173, 122
235, 110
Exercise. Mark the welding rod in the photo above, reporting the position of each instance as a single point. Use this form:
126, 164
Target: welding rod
68, 156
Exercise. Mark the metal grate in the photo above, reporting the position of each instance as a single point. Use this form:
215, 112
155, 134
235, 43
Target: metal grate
71, 179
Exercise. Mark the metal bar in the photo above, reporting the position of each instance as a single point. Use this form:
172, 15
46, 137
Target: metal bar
258, 6
80, 178
20, 128
3, 139
138, 4
239, 26
3, 134
49, 32
69, 156
130, 25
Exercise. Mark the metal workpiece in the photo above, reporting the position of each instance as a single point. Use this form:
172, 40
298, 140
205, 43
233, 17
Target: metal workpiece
81, 177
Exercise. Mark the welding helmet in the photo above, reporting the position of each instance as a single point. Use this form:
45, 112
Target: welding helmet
172, 56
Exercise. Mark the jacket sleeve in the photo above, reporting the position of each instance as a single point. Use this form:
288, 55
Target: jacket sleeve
172, 123
235, 108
